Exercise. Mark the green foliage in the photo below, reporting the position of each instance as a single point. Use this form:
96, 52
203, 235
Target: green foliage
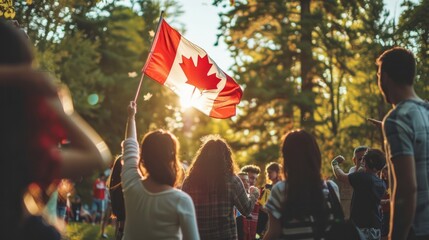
302, 64
413, 31
6, 9
79, 68
86, 231
331, 92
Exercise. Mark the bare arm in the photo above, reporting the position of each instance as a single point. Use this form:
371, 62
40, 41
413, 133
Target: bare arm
131, 131
274, 228
404, 196
338, 172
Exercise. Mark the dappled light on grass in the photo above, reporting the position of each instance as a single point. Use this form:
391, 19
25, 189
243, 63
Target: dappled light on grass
86, 231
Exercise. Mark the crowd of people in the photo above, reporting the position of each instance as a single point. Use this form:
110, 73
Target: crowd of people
213, 199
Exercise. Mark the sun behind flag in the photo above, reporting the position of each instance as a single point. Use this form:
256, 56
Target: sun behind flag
188, 71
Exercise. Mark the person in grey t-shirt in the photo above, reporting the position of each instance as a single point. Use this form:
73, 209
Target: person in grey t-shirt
406, 134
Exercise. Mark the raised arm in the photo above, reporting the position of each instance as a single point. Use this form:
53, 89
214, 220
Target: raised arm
338, 172
130, 175
131, 131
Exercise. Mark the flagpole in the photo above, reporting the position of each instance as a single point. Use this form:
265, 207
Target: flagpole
151, 50
138, 88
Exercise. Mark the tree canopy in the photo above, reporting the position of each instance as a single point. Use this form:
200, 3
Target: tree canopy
302, 64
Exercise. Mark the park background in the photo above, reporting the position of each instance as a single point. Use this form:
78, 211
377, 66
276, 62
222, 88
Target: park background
301, 64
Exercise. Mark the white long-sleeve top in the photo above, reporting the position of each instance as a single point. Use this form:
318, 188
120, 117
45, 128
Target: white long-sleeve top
168, 214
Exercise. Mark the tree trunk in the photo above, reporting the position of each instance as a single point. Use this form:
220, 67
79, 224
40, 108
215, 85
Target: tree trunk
307, 105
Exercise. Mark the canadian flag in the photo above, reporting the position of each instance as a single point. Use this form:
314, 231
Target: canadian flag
189, 72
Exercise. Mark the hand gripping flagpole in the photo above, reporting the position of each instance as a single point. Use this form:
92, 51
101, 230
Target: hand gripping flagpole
150, 53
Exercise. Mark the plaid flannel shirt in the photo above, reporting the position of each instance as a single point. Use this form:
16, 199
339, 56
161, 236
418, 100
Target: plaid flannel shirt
215, 217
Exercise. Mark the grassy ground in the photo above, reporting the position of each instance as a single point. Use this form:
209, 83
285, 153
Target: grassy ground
85, 231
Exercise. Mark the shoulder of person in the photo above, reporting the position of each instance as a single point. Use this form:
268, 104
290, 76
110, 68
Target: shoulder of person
183, 195
377, 179
403, 110
279, 186
235, 178
357, 177
332, 183
179, 194
360, 174
419, 102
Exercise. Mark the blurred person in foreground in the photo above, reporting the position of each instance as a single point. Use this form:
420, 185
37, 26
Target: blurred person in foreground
33, 124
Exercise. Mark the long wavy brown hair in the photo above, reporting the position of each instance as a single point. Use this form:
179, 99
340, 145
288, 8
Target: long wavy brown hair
212, 166
302, 161
159, 157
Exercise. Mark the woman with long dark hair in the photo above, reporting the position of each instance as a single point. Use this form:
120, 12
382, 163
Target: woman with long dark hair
154, 208
215, 190
297, 207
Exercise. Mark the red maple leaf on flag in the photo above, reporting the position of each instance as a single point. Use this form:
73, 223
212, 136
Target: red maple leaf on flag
197, 75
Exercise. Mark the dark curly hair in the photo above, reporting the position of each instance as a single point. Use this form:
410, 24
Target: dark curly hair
212, 166
251, 169
374, 159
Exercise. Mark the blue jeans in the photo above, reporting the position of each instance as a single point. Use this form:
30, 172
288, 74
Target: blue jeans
98, 205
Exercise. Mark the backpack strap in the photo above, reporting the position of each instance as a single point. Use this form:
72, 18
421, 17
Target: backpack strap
337, 210
115, 190
114, 179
